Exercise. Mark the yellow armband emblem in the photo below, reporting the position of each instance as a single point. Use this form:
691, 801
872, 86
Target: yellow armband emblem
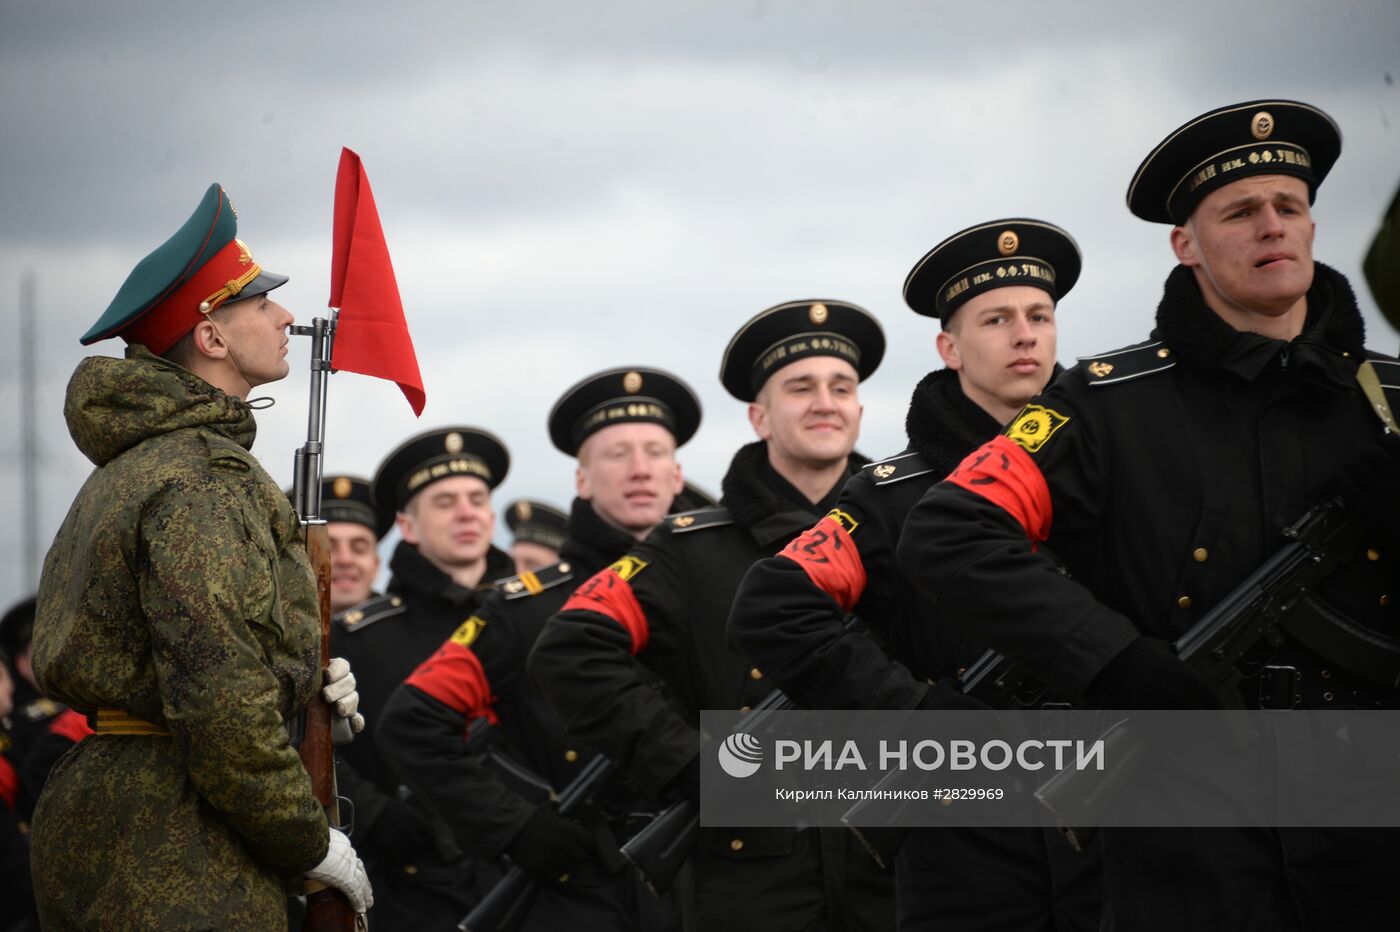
468, 631
628, 567
1034, 425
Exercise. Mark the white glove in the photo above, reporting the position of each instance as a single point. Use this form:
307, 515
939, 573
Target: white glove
343, 870
340, 692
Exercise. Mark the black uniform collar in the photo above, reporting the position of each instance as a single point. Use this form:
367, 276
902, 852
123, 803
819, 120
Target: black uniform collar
1200, 338
413, 574
753, 491
943, 424
592, 543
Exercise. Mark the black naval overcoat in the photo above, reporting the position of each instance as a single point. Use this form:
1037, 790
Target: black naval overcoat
594, 662
1161, 475
419, 881
478, 674
790, 615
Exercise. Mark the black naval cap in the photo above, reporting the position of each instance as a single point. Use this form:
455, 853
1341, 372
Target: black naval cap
349, 499
1258, 137
795, 330
1014, 251
621, 396
431, 456
17, 627
535, 522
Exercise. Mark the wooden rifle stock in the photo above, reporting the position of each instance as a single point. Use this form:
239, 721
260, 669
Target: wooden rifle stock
327, 909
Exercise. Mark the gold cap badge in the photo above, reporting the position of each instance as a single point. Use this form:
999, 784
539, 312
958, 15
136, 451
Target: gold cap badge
453, 442
1262, 126
1008, 242
341, 487
632, 383
818, 314
523, 511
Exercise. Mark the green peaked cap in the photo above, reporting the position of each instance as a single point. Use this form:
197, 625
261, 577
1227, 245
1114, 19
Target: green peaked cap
212, 226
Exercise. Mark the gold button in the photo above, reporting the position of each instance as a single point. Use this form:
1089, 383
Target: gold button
961, 671
756, 673
736, 845
564, 877
410, 869
744, 708
1184, 602
1373, 554
396, 601
571, 755
1200, 553
1385, 600
1163, 353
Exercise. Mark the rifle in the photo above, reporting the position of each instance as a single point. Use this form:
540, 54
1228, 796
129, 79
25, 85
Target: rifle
509, 901
327, 909
660, 849
1276, 598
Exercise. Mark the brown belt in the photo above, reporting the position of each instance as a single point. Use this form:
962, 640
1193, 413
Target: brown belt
118, 722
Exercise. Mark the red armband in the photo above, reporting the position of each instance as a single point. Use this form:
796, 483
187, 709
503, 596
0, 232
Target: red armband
829, 557
610, 593
1003, 473
9, 784
70, 725
453, 675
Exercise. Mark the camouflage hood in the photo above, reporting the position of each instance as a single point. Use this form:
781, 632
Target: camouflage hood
114, 404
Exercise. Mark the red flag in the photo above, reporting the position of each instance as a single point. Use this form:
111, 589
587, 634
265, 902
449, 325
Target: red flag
371, 336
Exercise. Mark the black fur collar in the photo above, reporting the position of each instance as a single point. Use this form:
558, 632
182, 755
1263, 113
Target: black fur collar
592, 543
748, 495
1201, 339
413, 574
943, 424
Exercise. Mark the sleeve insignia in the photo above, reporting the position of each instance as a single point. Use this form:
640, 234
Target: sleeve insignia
844, 519
1098, 368
468, 631
628, 567
683, 521
1034, 425
884, 470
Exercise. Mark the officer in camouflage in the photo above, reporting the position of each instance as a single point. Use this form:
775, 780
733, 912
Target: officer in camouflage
177, 608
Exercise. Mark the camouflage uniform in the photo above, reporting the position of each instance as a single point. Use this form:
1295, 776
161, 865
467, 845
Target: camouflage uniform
178, 591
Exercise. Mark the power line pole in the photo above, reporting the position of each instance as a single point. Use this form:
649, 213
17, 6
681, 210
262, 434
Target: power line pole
29, 444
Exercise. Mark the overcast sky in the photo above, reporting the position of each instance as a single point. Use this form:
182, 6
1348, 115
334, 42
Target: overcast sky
568, 187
